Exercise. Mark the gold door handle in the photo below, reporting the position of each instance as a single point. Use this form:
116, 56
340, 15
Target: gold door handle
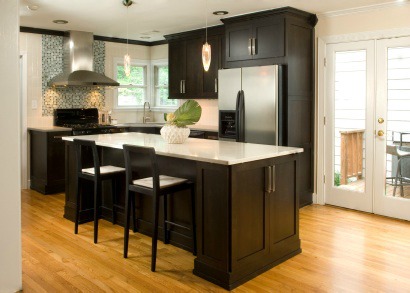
380, 133
380, 120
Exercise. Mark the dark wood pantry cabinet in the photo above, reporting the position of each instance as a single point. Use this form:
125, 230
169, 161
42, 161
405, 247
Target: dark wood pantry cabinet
187, 78
283, 36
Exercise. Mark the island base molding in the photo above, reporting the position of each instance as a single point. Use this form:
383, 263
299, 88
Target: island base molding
224, 279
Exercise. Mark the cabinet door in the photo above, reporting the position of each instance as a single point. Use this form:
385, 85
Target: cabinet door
250, 215
176, 64
210, 77
194, 69
284, 208
269, 36
237, 39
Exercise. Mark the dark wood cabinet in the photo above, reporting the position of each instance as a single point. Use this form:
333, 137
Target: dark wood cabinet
257, 39
282, 36
187, 78
177, 53
47, 174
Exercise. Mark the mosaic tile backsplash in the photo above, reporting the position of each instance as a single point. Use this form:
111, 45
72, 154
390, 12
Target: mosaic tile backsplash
70, 97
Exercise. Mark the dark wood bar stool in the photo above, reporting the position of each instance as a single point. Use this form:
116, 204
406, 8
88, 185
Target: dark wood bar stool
154, 186
96, 174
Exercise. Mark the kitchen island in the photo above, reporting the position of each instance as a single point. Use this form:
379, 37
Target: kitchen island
246, 201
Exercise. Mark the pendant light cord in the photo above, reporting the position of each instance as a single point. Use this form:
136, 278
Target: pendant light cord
206, 21
127, 29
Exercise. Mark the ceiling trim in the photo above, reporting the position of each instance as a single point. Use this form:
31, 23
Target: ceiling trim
32, 30
362, 9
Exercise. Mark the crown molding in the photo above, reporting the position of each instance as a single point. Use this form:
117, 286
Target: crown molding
363, 9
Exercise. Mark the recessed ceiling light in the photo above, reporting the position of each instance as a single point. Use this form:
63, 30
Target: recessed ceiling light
32, 7
220, 12
145, 37
60, 21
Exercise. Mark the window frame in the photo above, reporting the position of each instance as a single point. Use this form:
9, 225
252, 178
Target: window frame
153, 102
147, 86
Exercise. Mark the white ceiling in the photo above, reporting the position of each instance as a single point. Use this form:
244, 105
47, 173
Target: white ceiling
109, 17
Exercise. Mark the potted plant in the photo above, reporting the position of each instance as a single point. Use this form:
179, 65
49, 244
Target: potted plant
175, 130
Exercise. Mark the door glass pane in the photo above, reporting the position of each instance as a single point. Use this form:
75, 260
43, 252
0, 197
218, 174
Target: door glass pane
398, 122
350, 120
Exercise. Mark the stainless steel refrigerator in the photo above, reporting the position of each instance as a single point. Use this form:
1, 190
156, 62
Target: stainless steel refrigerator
248, 103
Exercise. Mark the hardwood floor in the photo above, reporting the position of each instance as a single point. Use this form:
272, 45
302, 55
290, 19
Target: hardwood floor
343, 251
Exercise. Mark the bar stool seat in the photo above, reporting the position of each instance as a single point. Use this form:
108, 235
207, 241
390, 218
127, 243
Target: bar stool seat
145, 162
104, 170
95, 174
164, 181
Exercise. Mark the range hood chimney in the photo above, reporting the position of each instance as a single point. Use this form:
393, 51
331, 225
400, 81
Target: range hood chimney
78, 59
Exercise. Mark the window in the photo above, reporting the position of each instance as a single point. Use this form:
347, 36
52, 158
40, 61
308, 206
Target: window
161, 86
133, 90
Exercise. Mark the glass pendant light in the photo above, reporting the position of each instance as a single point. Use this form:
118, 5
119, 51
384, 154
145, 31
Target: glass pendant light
127, 58
206, 48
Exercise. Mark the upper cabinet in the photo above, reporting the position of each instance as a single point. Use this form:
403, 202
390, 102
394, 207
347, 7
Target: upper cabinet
255, 39
187, 77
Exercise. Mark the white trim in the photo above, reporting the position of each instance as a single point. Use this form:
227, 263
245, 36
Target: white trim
23, 117
321, 102
365, 36
362, 9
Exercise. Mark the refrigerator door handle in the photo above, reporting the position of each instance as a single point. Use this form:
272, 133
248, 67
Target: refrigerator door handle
237, 113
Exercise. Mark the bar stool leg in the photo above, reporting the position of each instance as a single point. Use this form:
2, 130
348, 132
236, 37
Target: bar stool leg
193, 221
155, 233
165, 225
133, 213
77, 206
96, 200
127, 221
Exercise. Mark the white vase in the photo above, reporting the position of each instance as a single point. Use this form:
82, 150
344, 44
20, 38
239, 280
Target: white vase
174, 134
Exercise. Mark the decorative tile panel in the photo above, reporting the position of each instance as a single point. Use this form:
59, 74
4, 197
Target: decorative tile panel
70, 97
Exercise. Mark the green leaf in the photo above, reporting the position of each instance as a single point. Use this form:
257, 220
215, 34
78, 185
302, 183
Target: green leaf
188, 113
165, 117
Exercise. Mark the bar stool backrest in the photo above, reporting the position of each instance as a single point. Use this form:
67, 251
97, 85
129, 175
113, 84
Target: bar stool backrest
80, 146
141, 162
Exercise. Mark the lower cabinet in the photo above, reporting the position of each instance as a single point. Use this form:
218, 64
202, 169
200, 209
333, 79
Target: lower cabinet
260, 231
47, 174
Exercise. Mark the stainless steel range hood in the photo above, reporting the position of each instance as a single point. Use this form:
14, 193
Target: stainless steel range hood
78, 59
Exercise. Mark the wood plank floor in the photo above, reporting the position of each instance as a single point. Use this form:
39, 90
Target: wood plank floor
343, 251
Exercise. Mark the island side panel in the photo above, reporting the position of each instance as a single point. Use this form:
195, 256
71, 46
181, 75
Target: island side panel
213, 223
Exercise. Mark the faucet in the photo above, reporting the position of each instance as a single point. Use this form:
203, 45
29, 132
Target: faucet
145, 118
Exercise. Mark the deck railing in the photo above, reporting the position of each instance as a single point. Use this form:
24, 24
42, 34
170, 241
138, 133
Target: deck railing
351, 151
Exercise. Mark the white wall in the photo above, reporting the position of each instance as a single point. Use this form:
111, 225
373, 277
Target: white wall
10, 198
371, 20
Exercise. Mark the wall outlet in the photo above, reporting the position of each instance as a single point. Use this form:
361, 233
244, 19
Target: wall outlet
34, 104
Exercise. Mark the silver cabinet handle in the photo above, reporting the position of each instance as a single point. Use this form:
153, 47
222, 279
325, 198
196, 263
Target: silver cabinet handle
253, 46
273, 178
216, 85
180, 86
183, 86
268, 179
250, 46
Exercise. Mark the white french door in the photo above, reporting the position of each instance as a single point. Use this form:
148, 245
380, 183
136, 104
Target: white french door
349, 125
392, 128
367, 126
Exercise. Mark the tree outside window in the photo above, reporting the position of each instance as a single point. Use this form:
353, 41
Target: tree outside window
132, 91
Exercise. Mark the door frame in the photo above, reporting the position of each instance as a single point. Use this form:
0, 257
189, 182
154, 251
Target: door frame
25, 183
322, 42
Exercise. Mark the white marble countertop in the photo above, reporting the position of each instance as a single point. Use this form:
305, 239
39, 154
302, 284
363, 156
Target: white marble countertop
49, 128
211, 151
